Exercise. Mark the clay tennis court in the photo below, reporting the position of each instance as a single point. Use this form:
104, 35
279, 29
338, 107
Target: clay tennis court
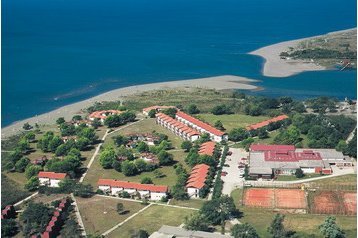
275, 198
334, 202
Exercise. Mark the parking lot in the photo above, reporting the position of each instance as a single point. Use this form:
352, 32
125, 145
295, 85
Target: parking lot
232, 178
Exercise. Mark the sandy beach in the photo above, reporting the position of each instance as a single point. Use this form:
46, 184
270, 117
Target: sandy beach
219, 83
276, 67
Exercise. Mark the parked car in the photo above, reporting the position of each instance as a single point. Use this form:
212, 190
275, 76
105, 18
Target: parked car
223, 173
226, 165
229, 153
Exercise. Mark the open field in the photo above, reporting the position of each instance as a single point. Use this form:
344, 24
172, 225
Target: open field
333, 202
194, 203
231, 121
275, 198
303, 224
100, 213
11, 191
345, 180
151, 220
293, 177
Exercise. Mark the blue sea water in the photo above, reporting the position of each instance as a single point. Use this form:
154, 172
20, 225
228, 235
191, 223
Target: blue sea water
62, 51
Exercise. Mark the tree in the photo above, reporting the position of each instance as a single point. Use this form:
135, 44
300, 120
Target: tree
238, 134
61, 150
107, 157
82, 143
291, 136
341, 146
220, 110
35, 217
120, 208
55, 142
146, 180
186, 145
120, 140
88, 133
140, 234
351, 149
244, 231
9, 227
142, 147
193, 109
32, 184
152, 113
276, 229
27, 126
262, 133
23, 145
165, 158
60, 120
299, 173
83, 190
140, 164
219, 125
170, 112
330, 229
77, 118
20, 165
30, 136
71, 229
196, 222
117, 166
128, 168
32, 170
96, 123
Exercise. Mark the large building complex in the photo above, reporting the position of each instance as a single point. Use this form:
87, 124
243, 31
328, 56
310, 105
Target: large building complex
267, 161
150, 191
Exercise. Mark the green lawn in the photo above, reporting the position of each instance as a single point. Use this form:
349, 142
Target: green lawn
293, 177
151, 220
231, 121
345, 180
11, 191
100, 213
195, 203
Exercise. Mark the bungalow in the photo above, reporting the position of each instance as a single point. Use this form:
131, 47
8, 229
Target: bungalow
40, 161
207, 148
150, 158
215, 134
102, 115
150, 191
8, 212
156, 108
266, 122
196, 180
54, 226
67, 138
178, 128
51, 179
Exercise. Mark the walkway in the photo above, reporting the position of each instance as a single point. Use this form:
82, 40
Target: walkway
25, 199
78, 215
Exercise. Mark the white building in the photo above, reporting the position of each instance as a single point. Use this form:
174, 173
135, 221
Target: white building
150, 191
51, 179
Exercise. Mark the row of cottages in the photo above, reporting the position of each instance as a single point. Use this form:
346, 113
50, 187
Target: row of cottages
196, 180
102, 115
177, 127
150, 191
54, 226
8, 212
156, 108
266, 122
51, 179
207, 148
270, 160
202, 127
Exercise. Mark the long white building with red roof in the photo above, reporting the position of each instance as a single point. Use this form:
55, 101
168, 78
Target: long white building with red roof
150, 191
51, 179
196, 180
177, 127
202, 127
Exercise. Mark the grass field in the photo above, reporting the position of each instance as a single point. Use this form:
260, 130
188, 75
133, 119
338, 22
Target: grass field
100, 213
194, 203
147, 125
345, 180
293, 177
11, 191
231, 121
151, 220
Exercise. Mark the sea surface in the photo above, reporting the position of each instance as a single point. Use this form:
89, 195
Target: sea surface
62, 51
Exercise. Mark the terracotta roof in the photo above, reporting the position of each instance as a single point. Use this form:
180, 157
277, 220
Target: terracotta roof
266, 122
197, 176
261, 147
207, 148
177, 124
51, 175
131, 185
200, 124
99, 114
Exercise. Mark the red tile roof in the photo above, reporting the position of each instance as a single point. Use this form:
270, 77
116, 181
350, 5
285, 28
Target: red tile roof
99, 114
265, 123
207, 148
261, 147
131, 185
51, 175
197, 176
200, 124
177, 124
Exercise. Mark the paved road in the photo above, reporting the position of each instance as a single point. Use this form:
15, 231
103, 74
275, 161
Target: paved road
232, 179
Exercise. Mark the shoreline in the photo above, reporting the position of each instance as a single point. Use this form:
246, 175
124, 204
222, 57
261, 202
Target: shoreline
274, 66
224, 82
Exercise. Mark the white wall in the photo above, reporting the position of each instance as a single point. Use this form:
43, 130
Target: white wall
308, 170
44, 181
54, 182
157, 196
